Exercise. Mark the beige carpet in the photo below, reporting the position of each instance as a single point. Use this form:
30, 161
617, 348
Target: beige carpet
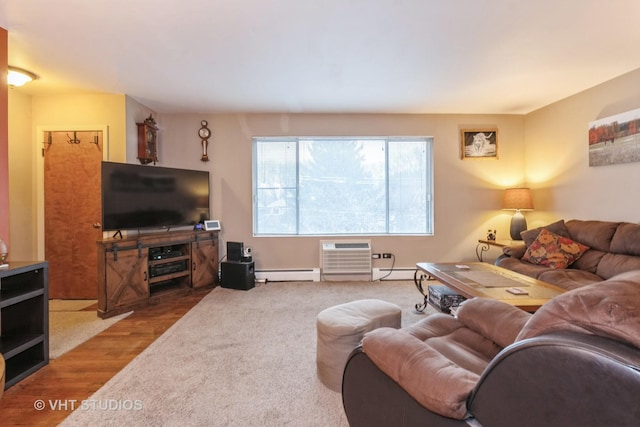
238, 358
70, 324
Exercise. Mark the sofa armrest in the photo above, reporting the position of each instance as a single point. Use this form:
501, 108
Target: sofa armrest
558, 380
429, 377
514, 251
371, 398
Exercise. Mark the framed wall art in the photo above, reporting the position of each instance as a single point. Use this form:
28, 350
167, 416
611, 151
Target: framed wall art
614, 139
480, 143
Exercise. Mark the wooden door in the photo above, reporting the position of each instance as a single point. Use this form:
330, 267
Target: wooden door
73, 211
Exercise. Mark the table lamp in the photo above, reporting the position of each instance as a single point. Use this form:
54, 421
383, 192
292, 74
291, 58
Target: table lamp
517, 199
4, 253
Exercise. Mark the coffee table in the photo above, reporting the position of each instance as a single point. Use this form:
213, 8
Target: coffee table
478, 279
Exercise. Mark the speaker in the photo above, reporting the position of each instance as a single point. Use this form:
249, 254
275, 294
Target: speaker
237, 275
235, 251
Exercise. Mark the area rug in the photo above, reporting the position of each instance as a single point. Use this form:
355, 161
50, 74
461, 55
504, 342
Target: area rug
238, 358
70, 324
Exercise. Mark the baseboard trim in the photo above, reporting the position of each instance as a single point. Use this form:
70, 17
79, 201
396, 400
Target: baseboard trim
313, 275
395, 274
291, 275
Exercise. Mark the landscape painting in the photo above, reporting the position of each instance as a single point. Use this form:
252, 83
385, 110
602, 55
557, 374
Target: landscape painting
615, 139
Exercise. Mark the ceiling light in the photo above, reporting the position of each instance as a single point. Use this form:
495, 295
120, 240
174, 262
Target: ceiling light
18, 76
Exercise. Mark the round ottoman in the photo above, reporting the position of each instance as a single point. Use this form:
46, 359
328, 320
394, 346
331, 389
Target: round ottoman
340, 330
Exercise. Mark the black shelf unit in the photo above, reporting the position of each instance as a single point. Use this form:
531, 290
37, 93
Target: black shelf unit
24, 318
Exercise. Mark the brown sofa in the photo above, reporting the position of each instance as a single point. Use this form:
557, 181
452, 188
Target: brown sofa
614, 248
575, 362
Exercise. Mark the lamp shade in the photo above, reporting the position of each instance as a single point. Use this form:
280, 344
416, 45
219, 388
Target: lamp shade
517, 199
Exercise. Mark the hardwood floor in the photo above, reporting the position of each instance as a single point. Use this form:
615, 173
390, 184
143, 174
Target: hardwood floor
76, 375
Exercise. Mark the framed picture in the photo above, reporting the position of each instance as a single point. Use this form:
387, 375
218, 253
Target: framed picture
479, 143
614, 139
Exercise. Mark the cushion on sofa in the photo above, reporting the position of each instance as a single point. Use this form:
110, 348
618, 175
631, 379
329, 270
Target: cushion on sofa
614, 264
607, 309
429, 377
558, 227
552, 250
589, 260
569, 278
595, 234
626, 240
493, 319
448, 336
526, 268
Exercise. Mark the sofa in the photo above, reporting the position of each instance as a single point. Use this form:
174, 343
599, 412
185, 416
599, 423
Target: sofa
611, 248
574, 362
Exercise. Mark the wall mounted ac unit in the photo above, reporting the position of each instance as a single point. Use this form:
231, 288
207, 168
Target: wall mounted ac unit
348, 259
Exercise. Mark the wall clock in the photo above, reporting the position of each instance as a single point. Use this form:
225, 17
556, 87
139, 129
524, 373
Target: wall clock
204, 134
148, 141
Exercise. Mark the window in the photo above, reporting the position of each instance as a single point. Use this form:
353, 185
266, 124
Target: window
342, 186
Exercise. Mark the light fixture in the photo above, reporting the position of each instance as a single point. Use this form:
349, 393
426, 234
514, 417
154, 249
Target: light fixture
18, 76
517, 199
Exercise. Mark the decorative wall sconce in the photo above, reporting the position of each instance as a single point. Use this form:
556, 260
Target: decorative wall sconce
18, 76
204, 134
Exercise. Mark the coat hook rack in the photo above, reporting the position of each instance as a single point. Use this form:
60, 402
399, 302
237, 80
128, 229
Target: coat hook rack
75, 139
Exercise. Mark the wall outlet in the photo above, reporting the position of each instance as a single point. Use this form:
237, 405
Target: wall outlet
375, 256
387, 255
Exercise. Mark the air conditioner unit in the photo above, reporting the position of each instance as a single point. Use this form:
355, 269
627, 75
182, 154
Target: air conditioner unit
346, 259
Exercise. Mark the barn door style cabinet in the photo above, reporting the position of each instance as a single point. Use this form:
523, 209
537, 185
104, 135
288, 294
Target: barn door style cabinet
134, 271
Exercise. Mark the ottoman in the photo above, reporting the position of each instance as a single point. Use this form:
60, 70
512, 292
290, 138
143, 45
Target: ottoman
340, 330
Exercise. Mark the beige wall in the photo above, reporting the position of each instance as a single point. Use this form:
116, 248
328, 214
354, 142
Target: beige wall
22, 183
29, 117
557, 158
4, 140
135, 112
554, 162
467, 193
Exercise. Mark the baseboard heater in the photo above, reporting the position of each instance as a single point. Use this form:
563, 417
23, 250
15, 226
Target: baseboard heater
289, 275
395, 274
345, 259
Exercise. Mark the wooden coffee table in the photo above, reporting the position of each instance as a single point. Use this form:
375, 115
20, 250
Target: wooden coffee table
478, 279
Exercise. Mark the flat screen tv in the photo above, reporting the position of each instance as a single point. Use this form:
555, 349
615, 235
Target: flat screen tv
138, 196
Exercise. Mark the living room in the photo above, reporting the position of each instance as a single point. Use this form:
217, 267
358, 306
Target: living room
545, 148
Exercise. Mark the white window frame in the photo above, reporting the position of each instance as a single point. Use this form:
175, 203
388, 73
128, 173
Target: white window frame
296, 140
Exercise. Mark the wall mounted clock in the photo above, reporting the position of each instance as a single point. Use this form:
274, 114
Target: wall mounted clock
148, 141
204, 134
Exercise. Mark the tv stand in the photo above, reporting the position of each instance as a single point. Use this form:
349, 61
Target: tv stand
117, 233
135, 271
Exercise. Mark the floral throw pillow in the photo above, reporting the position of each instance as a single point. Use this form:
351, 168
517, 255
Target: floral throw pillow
552, 250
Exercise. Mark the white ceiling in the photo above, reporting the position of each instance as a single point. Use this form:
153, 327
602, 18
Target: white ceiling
390, 56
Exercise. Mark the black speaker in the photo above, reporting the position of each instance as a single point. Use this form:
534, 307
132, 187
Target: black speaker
237, 275
235, 251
